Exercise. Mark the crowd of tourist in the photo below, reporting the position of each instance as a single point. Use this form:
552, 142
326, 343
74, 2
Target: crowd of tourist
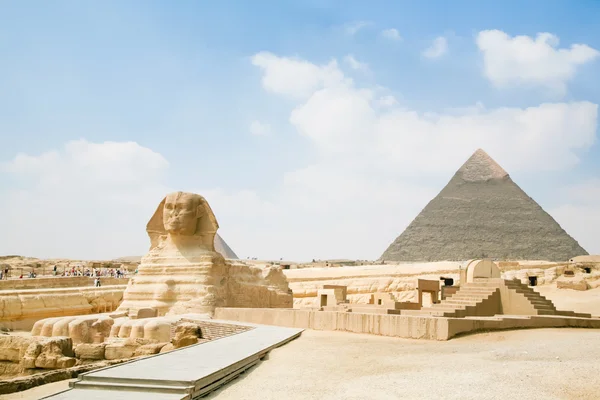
93, 272
6, 273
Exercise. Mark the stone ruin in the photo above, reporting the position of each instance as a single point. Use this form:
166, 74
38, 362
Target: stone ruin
167, 305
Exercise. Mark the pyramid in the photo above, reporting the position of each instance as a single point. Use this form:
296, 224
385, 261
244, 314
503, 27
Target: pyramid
223, 248
482, 213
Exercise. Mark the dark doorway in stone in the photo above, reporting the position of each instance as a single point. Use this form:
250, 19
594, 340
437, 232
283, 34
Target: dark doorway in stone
588, 270
532, 280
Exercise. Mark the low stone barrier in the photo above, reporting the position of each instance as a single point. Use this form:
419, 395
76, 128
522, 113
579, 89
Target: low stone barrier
403, 326
57, 282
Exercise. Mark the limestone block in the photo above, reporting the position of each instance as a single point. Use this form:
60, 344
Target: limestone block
167, 348
572, 283
12, 348
49, 353
149, 349
119, 350
90, 351
186, 334
187, 329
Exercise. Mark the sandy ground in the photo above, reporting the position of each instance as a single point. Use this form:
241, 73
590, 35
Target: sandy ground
528, 364
39, 392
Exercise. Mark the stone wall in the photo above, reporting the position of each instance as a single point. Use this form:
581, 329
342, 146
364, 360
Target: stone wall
404, 326
401, 279
363, 281
20, 309
58, 282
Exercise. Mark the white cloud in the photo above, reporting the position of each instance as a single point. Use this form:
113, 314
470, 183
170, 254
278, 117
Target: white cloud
257, 128
294, 77
88, 200
391, 34
580, 213
438, 48
355, 64
387, 101
352, 28
523, 60
377, 164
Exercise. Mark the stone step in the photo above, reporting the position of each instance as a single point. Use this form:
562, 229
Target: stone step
545, 309
573, 314
457, 301
472, 296
443, 309
131, 387
546, 312
129, 381
467, 298
540, 301
475, 292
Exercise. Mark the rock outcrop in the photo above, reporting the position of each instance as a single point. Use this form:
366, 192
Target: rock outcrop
482, 213
21, 353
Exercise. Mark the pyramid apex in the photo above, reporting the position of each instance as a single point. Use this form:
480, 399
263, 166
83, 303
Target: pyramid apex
481, 167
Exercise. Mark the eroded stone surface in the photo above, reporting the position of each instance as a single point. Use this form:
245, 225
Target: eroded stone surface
29, 352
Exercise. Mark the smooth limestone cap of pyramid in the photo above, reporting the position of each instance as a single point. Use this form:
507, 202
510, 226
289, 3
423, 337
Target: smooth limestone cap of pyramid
481, 167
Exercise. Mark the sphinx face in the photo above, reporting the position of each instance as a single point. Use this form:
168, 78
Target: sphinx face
180, 214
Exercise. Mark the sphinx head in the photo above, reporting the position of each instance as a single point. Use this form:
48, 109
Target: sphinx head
182, 214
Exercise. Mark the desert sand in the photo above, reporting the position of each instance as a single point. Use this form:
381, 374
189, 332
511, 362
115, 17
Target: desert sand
540, 364
544, 364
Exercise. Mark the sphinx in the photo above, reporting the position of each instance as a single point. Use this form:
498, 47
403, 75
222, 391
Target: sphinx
181, 274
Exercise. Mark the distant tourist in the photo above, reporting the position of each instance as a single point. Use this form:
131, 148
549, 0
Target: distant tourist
97, 282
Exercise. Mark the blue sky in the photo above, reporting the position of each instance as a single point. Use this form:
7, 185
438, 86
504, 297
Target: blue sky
182, 82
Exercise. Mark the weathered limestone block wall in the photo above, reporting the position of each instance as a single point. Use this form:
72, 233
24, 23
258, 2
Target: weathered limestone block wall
58, 282
415, 327
20, 309
362, 281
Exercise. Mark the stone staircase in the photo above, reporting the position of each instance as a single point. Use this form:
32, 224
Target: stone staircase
542, 305
481, 299
472, 299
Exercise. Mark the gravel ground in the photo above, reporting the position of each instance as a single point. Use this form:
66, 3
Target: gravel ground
540, 364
